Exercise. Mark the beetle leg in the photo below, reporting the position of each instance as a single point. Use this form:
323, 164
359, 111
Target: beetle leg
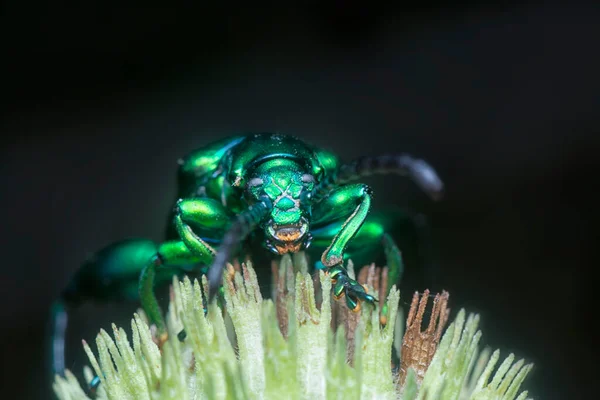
59, 318
353, 291
194, 216
353, 201
168, 254
390, 231
203, 213
209, 214
110, 274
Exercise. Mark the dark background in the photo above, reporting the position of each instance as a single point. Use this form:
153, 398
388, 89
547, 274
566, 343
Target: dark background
99, 102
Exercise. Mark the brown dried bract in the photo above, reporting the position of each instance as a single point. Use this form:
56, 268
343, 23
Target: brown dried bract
230, 275
235, 264
282, 295
418, 347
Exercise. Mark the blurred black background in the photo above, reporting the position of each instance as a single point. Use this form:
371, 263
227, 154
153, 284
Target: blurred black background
100, 101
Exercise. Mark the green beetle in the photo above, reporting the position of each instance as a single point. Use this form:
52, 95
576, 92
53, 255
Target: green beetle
273, 188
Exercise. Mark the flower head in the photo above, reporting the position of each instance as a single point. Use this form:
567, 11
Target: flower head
301, 344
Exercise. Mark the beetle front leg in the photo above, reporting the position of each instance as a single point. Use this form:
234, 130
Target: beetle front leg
208, 216
353, 201
200, 217
168, 254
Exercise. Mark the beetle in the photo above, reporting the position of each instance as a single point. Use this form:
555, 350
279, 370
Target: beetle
276, 189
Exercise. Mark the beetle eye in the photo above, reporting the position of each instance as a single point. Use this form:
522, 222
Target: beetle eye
307, 178
255, 182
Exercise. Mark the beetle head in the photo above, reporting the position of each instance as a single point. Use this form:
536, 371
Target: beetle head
287, 228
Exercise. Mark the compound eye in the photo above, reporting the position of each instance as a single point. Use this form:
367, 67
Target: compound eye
308, 178
255, 182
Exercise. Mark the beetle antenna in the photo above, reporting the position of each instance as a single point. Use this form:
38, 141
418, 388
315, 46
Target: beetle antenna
244, 223
402, 164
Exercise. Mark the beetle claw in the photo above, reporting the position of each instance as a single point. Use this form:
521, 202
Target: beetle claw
344, 286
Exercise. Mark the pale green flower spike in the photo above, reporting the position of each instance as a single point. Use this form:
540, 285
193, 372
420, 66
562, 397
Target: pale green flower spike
285, 349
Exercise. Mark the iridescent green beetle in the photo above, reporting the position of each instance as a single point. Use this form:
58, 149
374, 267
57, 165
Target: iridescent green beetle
273, 187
